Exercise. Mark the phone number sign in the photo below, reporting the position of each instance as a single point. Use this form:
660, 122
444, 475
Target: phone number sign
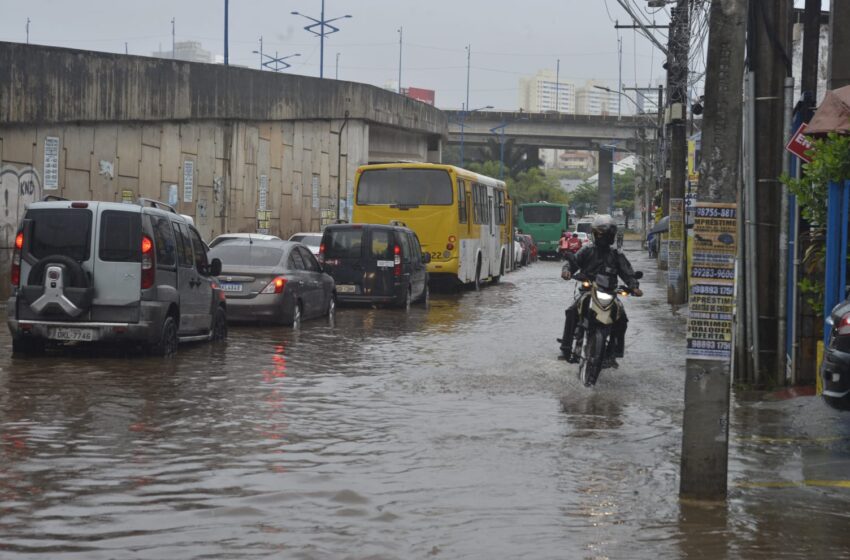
712, 298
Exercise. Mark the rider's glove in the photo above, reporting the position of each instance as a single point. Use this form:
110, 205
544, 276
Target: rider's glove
637, 292
565, 274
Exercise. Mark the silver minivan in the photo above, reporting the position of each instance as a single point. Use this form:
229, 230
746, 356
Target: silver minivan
87, 271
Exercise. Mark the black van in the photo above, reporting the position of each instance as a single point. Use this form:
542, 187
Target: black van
373, 263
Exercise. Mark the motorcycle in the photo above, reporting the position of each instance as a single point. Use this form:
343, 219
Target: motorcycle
599, 310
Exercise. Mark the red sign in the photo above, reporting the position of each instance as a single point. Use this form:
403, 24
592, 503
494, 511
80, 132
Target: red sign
799, 144
420, 94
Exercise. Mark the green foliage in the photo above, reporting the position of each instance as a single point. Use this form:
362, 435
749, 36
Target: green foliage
830, 162
514, 158
584, 199
533, 186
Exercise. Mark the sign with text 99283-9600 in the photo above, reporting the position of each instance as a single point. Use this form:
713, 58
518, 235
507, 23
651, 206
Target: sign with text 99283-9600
712, 299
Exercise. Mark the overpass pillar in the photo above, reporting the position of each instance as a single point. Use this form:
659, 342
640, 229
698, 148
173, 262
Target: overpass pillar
533, 156
605, 198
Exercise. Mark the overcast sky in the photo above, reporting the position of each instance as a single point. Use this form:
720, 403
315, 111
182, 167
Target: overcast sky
508, 39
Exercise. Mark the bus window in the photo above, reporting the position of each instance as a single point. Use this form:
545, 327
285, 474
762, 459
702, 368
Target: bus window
461, 202
405, 187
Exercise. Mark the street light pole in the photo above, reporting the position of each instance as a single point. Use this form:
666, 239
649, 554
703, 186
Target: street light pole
557, 83
173, 54
400, 34
226, 37
468, 59
336, 75
322, 24
463, 114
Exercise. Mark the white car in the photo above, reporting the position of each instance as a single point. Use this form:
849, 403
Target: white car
311, 240
252, 236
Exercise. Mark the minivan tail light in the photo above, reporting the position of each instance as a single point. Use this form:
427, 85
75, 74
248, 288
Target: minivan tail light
16, 259
844, 325
276, 286
148, 263
79, 205
397, 260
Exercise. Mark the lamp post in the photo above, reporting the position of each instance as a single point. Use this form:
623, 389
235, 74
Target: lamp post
501, 132
463, 114
321, 23
275, 63
226, 39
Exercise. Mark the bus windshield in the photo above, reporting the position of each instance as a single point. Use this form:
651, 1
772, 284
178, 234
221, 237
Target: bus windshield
542, 214
405, 187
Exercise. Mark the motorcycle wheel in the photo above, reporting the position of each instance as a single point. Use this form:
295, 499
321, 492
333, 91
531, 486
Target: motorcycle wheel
590, 363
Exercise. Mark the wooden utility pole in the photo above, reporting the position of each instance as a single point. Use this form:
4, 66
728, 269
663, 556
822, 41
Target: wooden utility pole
770, 62
677, 81
838, 72
705, 431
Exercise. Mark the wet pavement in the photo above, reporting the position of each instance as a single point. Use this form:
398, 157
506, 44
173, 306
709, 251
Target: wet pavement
448, 432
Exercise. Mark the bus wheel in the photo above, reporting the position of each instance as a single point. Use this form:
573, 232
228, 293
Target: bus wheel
498, 278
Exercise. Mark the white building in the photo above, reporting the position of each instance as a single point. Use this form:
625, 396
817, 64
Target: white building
594, 101
190, 51
547, 92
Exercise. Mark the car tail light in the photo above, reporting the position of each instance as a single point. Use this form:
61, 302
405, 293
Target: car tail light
321, 256
397, 260
79, 205
148, 262
844, 325
276, 286
16, 259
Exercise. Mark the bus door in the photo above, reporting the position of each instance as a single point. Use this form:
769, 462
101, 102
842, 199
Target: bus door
493, 244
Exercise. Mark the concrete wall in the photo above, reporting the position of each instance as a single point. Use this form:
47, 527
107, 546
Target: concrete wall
131, 126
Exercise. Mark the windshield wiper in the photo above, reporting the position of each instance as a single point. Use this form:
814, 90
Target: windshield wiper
404, 206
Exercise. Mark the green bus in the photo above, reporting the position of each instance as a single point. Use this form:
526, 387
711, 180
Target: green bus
545, 222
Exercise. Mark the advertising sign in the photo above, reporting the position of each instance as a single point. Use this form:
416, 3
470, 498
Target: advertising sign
51, 163
188, 180
712, 300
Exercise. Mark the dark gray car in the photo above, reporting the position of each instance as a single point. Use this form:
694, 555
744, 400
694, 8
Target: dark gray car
273, 281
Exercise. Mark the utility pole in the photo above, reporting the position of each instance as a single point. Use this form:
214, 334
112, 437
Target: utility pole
811, 48
677, 82
400, 35
769, 64
173, 53
126, 49
28, 31
557, 83
227, 38
336, 75
261, 53
620, 78
468, 60
705, 430
838, 71
325, 29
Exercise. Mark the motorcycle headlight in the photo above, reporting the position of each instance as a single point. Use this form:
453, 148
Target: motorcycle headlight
604, 298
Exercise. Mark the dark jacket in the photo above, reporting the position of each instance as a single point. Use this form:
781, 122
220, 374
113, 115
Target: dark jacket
591, 261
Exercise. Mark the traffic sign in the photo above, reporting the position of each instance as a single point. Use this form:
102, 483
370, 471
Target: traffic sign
799, 144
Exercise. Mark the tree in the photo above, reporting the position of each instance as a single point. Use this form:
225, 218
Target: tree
514, 159
584, 198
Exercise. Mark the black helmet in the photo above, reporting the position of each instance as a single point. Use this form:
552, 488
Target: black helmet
604, 231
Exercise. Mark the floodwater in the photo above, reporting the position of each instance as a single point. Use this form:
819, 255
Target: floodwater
451, 432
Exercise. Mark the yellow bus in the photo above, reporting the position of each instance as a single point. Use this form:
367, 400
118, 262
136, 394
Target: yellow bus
462, 219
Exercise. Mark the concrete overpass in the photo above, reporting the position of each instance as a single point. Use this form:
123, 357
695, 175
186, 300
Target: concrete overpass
551, 130
236, 148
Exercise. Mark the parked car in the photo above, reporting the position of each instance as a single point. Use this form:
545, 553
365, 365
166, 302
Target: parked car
227, 237
273, 281
375, 263
88, 271
835, 370
311, 240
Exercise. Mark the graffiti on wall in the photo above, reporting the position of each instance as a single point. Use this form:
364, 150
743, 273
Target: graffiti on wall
19, 186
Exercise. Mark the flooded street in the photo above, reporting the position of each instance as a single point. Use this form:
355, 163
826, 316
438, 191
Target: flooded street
448, 432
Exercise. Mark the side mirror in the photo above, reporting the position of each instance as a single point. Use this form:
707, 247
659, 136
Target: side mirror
214, 267
426, 257
638, 275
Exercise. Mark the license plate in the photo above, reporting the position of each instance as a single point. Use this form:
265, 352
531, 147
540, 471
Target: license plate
346, 288
65, 333
231, 287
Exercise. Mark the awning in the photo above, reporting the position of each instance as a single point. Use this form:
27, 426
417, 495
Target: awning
833, 115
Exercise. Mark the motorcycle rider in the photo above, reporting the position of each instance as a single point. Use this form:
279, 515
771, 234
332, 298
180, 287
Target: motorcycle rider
600, 257
574, 244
